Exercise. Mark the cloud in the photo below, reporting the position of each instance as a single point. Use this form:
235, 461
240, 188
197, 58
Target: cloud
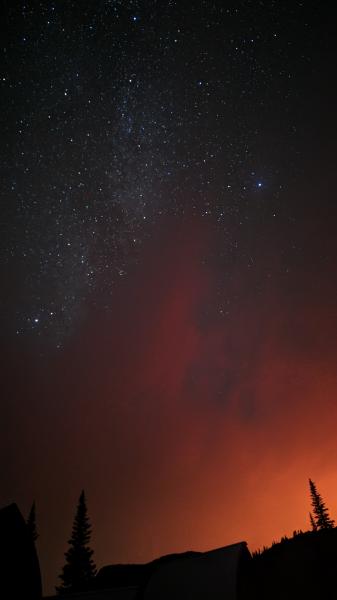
188, 428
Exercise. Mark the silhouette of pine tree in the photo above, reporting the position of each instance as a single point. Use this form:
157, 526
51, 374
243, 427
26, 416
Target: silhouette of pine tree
31, 523
80, 568
321, 513
312, 522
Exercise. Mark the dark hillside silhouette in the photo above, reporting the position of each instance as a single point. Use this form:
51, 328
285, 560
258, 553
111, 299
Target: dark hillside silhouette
213, 575
128, 575
300, 567
303, 566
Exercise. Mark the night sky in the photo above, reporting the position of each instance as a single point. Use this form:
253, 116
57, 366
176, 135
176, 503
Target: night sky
168, 270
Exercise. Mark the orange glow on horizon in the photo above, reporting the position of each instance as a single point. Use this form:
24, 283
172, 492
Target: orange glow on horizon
187, 431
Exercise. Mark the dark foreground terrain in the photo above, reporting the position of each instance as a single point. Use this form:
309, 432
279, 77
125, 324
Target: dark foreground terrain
304, 566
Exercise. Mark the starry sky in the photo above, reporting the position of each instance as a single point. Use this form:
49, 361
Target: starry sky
168, 269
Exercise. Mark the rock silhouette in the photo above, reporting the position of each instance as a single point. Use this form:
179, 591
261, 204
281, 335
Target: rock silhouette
19, 565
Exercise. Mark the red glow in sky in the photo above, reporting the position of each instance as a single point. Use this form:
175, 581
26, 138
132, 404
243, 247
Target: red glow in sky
187, 427
168, 272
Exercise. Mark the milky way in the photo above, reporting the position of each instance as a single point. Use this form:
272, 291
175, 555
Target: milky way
168, 270
117, 113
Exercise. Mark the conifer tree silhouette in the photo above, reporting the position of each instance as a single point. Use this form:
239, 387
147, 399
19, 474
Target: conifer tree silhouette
80, 568
31, 523
321, 513
312, 522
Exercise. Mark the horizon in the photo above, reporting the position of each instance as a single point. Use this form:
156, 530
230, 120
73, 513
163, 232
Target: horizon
168, 267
